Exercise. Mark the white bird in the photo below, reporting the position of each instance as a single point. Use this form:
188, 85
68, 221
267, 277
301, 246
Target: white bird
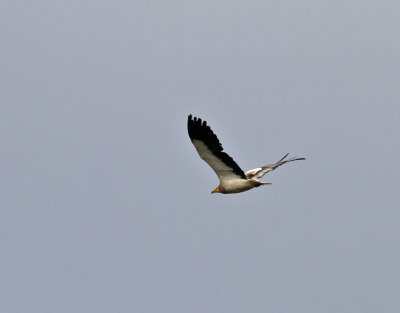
231, 176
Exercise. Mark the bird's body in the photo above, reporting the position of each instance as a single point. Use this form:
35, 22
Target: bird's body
231, 176
238, 185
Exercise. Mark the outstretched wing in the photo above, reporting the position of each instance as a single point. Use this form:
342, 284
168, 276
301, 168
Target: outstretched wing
211, 151
261, 171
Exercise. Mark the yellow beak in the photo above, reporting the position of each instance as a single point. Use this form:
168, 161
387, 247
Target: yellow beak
215, 190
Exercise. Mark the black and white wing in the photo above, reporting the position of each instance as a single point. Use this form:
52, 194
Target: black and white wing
211, 151
261, 171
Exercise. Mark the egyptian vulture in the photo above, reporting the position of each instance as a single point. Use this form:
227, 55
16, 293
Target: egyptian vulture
231, 176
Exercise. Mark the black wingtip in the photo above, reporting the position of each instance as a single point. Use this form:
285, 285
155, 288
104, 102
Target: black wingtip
289, 160
295, 159
283, 157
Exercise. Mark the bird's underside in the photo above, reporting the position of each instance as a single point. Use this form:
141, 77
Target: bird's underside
231, 176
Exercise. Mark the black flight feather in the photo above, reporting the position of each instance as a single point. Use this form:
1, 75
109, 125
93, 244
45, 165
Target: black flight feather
199, 130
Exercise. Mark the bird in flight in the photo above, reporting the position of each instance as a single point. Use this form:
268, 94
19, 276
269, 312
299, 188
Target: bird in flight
231, 176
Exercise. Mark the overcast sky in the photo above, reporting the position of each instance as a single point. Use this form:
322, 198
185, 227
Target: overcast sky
105, 205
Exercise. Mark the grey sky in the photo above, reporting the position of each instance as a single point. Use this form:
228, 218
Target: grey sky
105, 205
